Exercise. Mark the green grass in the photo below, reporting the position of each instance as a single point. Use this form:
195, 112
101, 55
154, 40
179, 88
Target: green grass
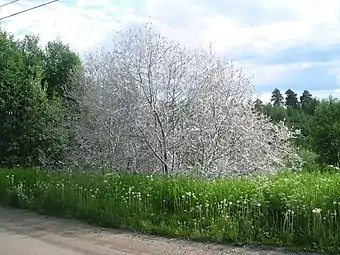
291, 209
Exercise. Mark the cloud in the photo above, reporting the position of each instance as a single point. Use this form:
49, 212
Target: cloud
298, 54
81, 23
283, 43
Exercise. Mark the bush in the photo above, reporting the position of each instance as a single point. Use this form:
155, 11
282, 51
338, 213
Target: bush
326, 131
296, 209
310, 161
31, 125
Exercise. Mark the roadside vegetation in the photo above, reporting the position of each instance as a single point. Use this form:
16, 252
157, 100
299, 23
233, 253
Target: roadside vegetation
299, 210
167, 140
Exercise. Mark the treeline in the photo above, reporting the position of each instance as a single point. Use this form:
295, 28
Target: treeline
149, 105
318, 120
33, 100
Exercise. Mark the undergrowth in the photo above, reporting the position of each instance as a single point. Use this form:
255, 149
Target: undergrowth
291, 209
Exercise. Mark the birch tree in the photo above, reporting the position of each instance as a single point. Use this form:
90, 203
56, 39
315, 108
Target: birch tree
151, 104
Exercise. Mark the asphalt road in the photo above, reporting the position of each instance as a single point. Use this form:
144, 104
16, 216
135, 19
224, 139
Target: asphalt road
27, 233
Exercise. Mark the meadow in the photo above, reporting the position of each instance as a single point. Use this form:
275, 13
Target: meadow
299, 210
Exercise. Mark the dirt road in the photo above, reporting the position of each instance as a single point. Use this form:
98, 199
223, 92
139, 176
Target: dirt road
26, 233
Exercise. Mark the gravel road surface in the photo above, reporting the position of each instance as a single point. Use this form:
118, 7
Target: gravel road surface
27, 233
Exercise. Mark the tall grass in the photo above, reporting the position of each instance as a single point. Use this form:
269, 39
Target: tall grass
291, 209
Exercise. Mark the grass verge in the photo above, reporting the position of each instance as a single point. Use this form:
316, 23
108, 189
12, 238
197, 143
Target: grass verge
291, 209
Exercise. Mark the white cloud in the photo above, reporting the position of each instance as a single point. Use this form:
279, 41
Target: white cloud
261, 26
78, 24
312, 22
84, 23
324, 94
264, 96
269, 74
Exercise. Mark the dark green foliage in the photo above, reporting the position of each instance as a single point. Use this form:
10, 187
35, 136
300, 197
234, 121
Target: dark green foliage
258, 105
325, 131
59, 62
276, 112
291, 99
308, 103
277, 98
318, 122
32, 56
31, 125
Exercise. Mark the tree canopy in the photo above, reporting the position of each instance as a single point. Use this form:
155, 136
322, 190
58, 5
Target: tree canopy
31, 123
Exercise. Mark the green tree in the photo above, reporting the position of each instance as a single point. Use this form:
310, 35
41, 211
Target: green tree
305, 99
307, 102
275, 112
297, 119
277, 98
325, 131
59, 62
291, 99
32, 55
258, 105
30, 124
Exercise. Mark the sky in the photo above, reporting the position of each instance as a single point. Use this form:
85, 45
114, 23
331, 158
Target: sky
281, 43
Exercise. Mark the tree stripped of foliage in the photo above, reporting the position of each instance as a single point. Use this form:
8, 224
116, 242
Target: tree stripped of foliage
152, 104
